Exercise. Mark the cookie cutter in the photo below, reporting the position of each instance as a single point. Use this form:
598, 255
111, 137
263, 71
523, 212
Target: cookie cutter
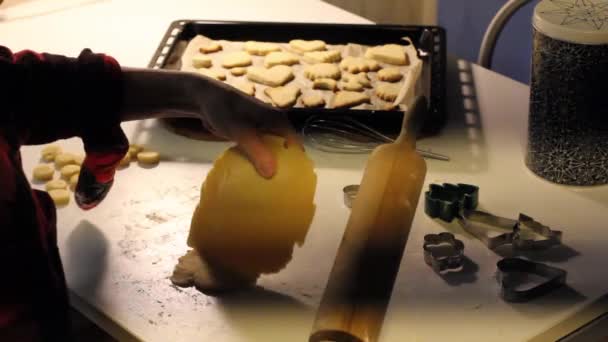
508, 267
350, 192
459, 201
442, 261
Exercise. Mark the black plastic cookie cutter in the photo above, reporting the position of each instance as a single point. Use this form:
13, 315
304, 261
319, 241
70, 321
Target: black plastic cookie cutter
459, 201
510, 271
439, 257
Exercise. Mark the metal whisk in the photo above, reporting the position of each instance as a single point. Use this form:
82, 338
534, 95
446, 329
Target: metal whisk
347, 135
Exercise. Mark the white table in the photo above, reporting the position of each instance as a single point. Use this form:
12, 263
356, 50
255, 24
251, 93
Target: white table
118, 257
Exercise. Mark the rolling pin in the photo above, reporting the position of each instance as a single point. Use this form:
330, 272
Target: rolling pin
361, 281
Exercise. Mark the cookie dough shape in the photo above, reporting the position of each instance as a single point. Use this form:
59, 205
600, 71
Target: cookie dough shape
302, 46
79, 159
274, 77
322, 70
280, 58
238, 71
210, 47
313, 100
331, 56
273, 214
49, 152
134, 149
69, 170
325, 84
246, 87
125, 161
351, 86
390, 75
201, 61
388, 91
344, 99
359, 64
283, 97
63, 159
236, 59
74, 181
360, 78
260, 48
43, 172
391, 54
56, 184
212, 73
148, 157
61, 197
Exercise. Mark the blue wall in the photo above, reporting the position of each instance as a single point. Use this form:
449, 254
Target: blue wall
466, 22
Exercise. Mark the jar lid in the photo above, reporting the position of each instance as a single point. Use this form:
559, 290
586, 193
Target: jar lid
576, 21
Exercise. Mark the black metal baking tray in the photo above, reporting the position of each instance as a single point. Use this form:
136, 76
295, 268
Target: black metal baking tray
180, 32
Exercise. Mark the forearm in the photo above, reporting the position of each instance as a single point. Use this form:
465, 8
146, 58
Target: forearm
151, 93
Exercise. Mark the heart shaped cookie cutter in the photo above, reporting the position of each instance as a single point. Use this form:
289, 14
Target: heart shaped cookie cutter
507, 267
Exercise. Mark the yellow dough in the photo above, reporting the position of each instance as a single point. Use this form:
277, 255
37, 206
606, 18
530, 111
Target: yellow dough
79, 159
49, 152
148, 157
124, 162
56, 184
246, 225
74, 181
69, 170
60, 196
43, 172
63, 159
134, 150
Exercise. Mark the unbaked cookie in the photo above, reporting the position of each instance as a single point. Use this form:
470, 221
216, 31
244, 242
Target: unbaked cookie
280, 58
283, 97
313, 100
388, 91
125, 161
213, 73
201, 61
390, 75
210, 47
69, 170
359, 64
360, 78
246, 87
261, 48
148, 157
322, 70
325, 84
236, 59
79, 159
63, 159
302, 46
330, 56
351, 86
276, 76
56, 184
390, 54
345, 98
60, 196
49, 152
238, 71
43, 172
74, 181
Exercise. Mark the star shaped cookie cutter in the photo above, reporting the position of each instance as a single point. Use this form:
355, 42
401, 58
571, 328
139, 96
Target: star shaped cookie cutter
459, 201
509, 269
436, 256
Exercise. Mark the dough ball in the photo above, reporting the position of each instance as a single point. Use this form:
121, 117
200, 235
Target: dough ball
74, 181
125, 161
49, 152
134, 150
60, 196
56, 184
63, 159
69, 170
43, 172
148, 157
79, 159
246, 225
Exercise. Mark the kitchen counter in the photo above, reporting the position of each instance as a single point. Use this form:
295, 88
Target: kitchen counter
118, 257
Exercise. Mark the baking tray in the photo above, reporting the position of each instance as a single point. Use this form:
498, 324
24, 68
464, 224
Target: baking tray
180, 32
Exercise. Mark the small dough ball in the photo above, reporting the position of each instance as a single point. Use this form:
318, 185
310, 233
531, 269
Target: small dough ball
69, 170
49, 152
63, 159
148, 157
125, 161
79, 159
201, 61
60, 196
74, 181
134, 150
56, 184
43, 172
